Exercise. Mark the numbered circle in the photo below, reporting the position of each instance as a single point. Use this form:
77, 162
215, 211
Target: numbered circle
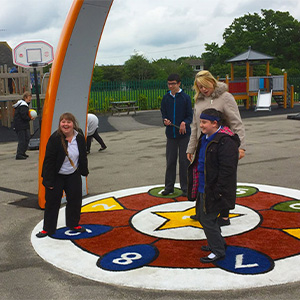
92, 230
157, 192
245, 191
245, 261
289, 206
128, 258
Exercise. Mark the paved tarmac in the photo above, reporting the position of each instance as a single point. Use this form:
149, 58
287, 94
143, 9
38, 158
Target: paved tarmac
135, 157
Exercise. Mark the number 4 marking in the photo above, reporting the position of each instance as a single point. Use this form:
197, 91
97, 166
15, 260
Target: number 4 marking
239, 262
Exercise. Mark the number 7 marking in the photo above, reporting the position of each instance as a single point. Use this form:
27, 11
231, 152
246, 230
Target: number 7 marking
239, 262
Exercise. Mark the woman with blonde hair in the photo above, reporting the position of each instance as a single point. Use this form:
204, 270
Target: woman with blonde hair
211, 93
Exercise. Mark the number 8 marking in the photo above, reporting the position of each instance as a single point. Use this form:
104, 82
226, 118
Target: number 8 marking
127, 258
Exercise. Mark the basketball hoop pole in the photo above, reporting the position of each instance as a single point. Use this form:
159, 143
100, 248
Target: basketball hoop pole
37, 92
36, 84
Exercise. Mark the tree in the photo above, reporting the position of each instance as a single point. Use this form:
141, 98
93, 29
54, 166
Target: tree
211, 55
163, 67
113, 73
185, 69
274, 33
97, 74
138, 68
108, 73
244, 32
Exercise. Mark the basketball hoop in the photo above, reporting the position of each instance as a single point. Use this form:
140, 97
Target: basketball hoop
33, 54
30, 54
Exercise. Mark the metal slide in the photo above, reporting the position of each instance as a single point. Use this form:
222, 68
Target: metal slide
264, 101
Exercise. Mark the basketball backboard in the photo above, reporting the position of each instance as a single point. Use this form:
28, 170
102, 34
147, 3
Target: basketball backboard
29, 53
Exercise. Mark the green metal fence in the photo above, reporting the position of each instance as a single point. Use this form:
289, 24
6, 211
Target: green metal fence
295, 81
147, 93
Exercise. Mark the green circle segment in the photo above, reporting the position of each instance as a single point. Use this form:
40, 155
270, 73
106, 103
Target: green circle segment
288, 206
245, 191
156, 192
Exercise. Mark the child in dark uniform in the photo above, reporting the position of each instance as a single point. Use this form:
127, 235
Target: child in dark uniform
21, 124
213, 178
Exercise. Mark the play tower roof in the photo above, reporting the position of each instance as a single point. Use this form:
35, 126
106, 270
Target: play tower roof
250, 55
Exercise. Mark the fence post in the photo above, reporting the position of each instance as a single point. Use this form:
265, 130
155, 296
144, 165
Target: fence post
285, 90
6, 81
292, 96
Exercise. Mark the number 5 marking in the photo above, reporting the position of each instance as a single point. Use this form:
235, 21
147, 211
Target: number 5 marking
241, 191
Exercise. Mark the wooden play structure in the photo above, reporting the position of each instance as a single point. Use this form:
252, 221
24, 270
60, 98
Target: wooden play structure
253, 86
12, 87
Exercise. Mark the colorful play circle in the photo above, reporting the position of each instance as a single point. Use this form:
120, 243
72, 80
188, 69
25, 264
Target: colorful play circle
136, 236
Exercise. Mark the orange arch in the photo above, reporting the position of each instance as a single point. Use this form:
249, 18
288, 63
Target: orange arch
70, 80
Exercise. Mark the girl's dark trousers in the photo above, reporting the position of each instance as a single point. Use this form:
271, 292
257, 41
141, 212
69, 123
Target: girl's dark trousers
72, 185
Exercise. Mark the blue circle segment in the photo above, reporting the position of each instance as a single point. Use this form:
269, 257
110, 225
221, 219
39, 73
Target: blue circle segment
128, 258
242, 260
92, 230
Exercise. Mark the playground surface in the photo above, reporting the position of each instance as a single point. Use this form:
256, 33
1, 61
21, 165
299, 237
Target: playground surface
135, 157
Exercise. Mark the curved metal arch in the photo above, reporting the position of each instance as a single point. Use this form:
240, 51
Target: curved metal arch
70, 80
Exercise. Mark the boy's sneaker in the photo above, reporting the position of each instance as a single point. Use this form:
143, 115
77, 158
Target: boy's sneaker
166, 192
223, 222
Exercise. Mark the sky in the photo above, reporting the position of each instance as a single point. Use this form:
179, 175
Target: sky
152, 28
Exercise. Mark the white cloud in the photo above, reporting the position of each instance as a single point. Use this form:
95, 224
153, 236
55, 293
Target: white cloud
32, 19
156, 28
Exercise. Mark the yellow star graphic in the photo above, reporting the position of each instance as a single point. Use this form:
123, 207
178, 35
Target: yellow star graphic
178, 219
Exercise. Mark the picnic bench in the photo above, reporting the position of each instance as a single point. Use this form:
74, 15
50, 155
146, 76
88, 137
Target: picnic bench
119, 106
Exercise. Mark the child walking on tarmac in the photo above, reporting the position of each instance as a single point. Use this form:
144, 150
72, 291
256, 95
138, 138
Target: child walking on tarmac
212, 179
21, 124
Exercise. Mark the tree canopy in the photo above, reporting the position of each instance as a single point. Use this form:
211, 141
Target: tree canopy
139, 68
274, 33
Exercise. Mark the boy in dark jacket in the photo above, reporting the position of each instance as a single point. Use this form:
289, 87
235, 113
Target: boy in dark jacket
213, 178
21, 124
177, 115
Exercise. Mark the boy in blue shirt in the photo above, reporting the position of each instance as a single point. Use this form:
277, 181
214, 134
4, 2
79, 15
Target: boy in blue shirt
213, 179
177, 115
